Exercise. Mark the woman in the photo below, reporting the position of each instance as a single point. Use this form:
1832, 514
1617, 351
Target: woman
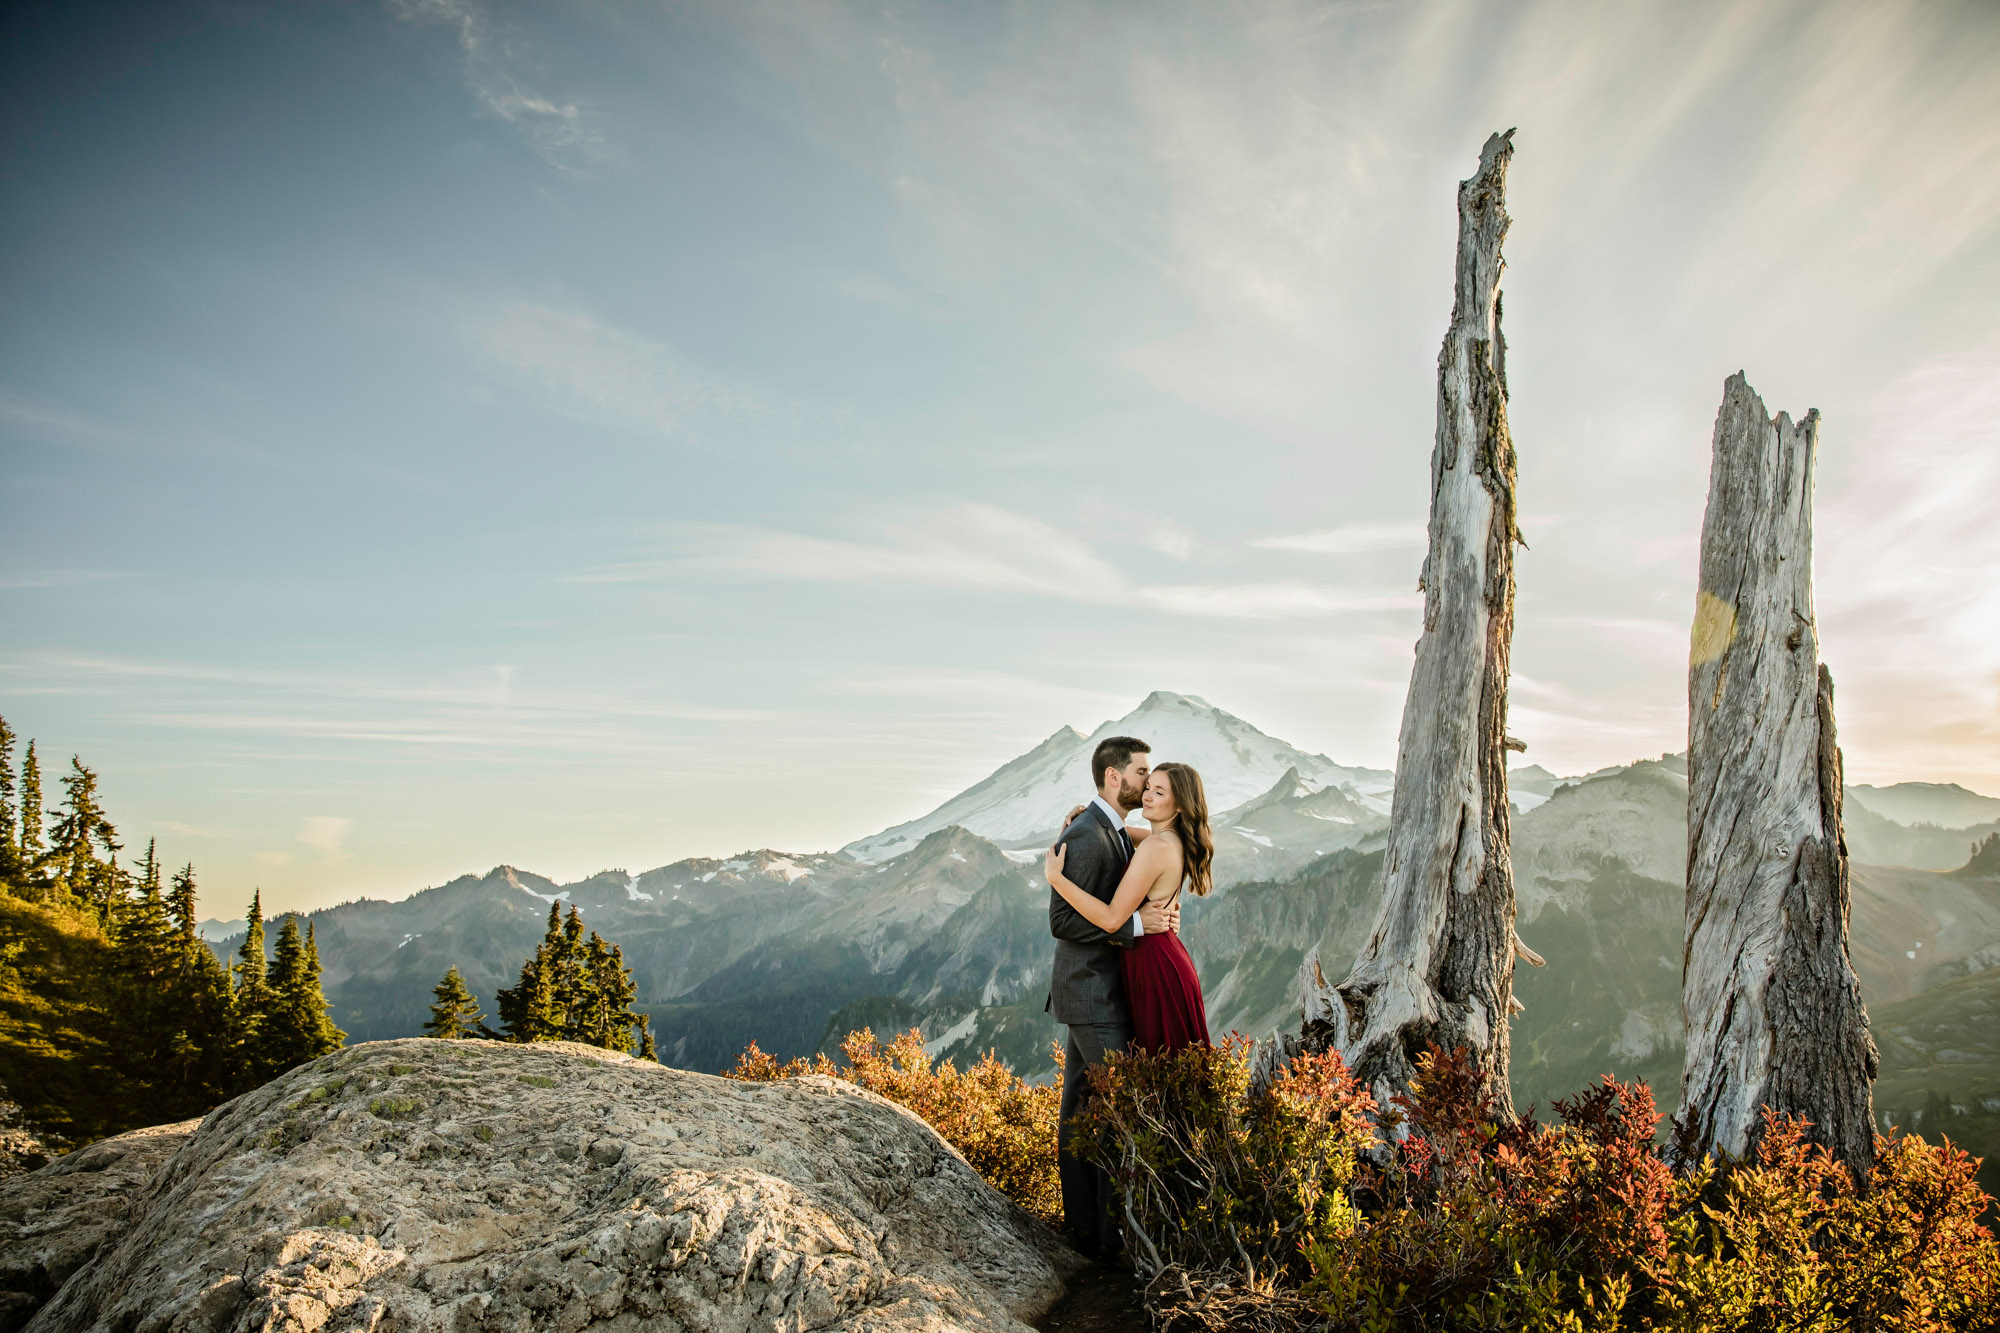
1160, 983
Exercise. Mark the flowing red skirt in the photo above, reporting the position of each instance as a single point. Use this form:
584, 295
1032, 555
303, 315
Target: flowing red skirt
1164, 993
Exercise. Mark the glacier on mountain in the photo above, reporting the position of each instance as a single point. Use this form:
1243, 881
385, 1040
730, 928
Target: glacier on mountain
1022, 802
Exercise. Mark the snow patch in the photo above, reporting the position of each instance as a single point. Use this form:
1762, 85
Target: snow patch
709, 876
1023, 858
956, 1033
1255, 837
547, 897
407, 938
633, 892
790, 869
958, 856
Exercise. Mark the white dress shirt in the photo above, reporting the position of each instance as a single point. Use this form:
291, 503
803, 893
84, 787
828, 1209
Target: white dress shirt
1118, 822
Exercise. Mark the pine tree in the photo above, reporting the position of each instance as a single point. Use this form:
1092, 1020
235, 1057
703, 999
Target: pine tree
251, 1000
203, 1062
571, 980
646, 1051
181, 908
81, 832
529, 1008
456, 1013
145, 960
34, 848
297, 1028
147, 948
10, 835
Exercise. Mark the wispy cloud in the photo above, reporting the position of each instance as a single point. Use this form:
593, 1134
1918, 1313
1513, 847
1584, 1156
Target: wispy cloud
478, 712
324, 833
562, 133
1274, 601
982, 547
1349, 538
597, 372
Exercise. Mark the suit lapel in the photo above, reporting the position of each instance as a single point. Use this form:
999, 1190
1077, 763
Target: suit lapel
1118, 835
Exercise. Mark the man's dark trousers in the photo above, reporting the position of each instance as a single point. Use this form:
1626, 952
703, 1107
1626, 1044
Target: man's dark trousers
1089, 1202
1087, 995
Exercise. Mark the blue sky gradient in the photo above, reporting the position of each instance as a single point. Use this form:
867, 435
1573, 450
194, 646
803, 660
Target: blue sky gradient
577, 435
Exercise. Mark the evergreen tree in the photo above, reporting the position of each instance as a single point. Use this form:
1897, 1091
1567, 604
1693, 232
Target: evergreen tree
10, 834
203, 1064
33, 847
81, 833
573, 989
529, 1009
456, 1013
296, 1028
147, 950
251, 998
570, 980
181, 909
646, 1051
145, 962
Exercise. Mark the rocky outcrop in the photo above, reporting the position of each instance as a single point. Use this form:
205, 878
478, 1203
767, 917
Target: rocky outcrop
472, 1185
55, 1220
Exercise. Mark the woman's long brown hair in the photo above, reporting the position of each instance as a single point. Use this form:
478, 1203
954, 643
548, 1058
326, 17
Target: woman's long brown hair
1191, 824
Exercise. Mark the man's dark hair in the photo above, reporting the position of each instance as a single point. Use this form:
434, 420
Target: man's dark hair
1114, 752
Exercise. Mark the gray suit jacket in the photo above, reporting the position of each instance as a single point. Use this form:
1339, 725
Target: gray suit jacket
1086, 986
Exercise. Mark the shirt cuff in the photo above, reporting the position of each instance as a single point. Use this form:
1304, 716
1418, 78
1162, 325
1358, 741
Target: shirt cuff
1138, 926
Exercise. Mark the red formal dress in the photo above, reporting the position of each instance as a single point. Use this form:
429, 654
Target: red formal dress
1164, 993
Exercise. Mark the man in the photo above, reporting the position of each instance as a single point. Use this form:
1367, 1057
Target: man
1087, 993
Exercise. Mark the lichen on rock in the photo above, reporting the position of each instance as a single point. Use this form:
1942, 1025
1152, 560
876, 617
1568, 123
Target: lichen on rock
467, 1185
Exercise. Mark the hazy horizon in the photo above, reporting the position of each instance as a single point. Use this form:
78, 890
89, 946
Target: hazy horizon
441, 434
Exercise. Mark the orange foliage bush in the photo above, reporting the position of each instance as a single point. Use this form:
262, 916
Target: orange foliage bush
1305, 1206
1469, 1221
1004, 1128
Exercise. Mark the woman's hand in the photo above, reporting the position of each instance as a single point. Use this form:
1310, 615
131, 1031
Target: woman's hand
1052, 863
1074, 811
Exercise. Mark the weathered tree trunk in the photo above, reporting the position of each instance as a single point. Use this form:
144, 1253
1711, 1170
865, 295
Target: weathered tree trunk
1773, 1009
1439, 967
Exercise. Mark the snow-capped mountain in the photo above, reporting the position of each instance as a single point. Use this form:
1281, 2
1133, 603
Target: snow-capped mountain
1022, 803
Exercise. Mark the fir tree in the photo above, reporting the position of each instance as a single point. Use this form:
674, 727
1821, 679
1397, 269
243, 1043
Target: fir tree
203, 1064
147, 948
10, 835
81, 833
296, 1028
32, 844
646, 1051
570, 980
146, 969
528, 1009
251, 999
181, 909
456, 1013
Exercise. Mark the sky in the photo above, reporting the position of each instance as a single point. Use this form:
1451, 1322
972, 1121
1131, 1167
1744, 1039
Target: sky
436, 434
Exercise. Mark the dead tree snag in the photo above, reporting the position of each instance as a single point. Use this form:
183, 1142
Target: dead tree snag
1773, 1009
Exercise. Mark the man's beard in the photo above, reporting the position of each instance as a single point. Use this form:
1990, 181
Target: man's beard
1129, 794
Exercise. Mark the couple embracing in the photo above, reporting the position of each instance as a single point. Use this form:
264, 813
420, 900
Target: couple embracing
1122, 979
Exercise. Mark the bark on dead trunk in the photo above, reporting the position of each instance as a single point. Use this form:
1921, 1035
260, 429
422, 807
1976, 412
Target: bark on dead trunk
1773, 1010
1439, 966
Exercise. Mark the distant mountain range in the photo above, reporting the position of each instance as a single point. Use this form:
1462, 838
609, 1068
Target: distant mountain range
942, 921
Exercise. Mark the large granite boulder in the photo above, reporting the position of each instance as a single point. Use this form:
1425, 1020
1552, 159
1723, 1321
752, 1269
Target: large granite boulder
55, 1220
467, 1185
